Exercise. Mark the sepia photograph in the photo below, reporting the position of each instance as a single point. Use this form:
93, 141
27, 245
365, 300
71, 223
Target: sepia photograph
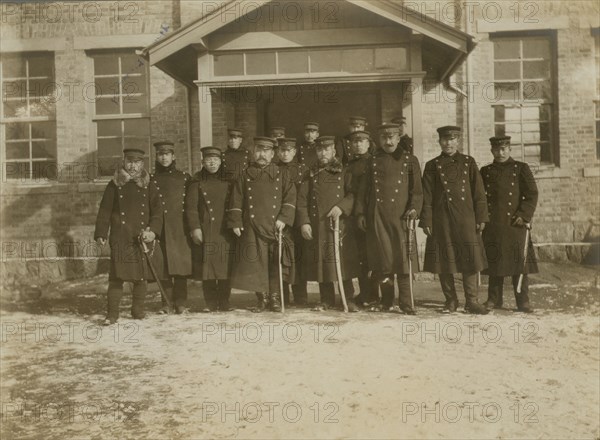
300, 219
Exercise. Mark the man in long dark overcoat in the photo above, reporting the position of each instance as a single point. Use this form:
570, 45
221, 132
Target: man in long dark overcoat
296, 172
453, 216
360, 142
391, 194
235, 158
325, 195
512, 196
206, 202
263, 204
171, 185
129, 208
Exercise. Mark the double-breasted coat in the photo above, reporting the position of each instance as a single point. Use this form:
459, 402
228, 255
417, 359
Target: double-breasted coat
171, 185
511, 192
128, 207
207, 200
324, 188
307, 154
391, 187
233, 162
454, 202
259, 197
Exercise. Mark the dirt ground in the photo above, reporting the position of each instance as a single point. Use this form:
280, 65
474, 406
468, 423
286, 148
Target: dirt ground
303, 374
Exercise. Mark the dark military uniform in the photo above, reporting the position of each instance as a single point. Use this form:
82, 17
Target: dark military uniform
171, 185
391, 188
128, 207
260, 197
454, 203
206, 203
369, 285
234, 162
511, 192
325, 188
296, 172
307, 154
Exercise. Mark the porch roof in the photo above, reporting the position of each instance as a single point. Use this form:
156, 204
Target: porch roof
443, 48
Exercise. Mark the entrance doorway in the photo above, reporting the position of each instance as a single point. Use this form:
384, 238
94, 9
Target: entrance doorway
328, 104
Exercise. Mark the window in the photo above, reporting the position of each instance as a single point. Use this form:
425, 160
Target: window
364, 60
597, 100
121, 107
525, 96
28, 116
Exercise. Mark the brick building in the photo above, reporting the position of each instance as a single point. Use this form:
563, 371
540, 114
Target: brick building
82, 79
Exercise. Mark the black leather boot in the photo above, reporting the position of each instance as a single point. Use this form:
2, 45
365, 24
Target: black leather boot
275, 302
262, 302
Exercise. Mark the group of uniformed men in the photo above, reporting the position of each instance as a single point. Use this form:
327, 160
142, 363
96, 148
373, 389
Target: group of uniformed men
247, 215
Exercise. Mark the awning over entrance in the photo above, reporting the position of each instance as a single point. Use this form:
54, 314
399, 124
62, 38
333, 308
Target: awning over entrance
268, 41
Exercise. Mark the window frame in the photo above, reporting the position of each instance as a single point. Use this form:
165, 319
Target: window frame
551, 35
121, 117
32, 178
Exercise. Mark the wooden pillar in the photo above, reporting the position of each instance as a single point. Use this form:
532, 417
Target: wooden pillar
204, 101
416, 94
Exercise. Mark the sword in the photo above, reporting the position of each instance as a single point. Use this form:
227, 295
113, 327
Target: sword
338, 261
146, 252
411, 228
280, 247
528, 229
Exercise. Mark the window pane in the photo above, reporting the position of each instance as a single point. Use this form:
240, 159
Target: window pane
499, 113
107, 106
260, 63
15, 109
531, 113
537, 90
499, 130
45, 169
108, 165
293, 62
17, 150
228, 64
134, 104
137, 127
536, 48
391, 58
17, 170
106, 65
507, 70
109, 128
131, 63
507, 91
506, 49
325, 61
546, 153
40, 87
536, 69
357, 60
545, 132
138, 142
107, 86
110, 147
41, 65
133, 85
14, 89
43, 150
17, 131
13, 66
513, 114
43, 130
